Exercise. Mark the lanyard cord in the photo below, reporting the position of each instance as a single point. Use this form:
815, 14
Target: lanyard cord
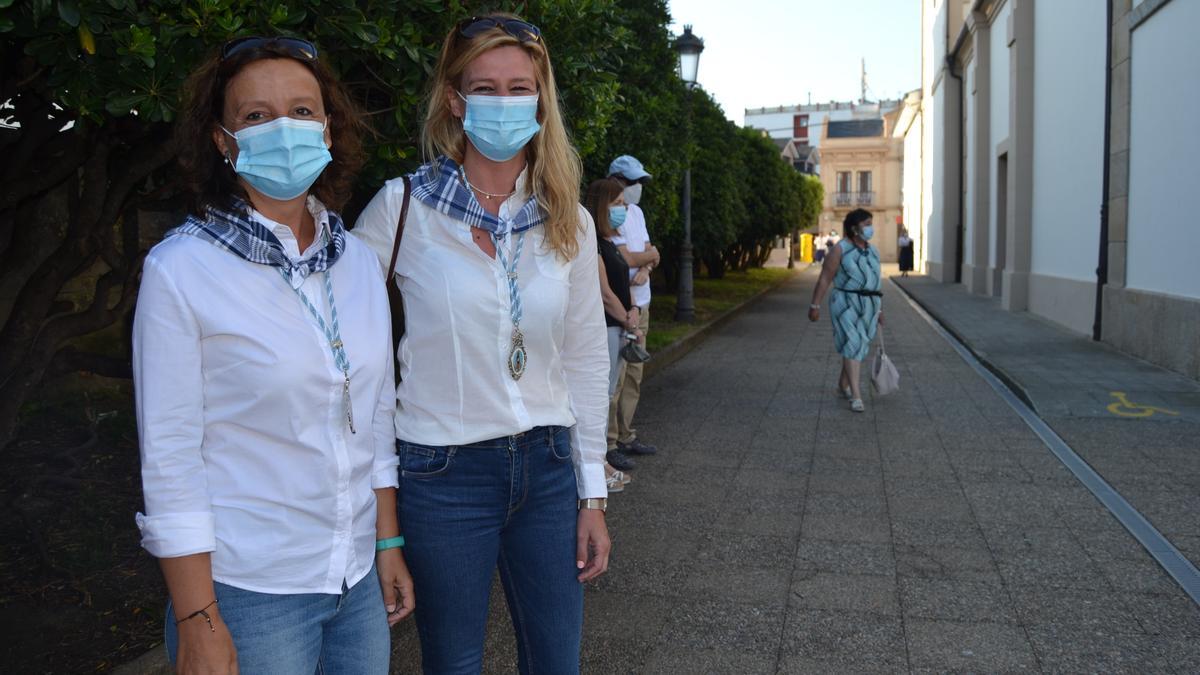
333, 333
514, 293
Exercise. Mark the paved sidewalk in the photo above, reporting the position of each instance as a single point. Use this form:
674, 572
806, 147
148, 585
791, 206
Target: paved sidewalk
1136, 424
777, 531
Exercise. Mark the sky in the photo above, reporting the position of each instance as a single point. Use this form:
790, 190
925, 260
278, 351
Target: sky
766, 53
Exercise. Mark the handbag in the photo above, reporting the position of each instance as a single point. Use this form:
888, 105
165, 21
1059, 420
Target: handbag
633, 352
884, 375
395, 301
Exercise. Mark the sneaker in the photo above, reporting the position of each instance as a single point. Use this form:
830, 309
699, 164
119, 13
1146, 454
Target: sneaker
636, 447
619, 461
625, 478
856, 405
614, 483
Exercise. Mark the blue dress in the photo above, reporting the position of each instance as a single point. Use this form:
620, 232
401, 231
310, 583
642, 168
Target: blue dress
855, 316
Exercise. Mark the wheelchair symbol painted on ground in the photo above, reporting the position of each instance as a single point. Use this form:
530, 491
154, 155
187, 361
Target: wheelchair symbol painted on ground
1123, 407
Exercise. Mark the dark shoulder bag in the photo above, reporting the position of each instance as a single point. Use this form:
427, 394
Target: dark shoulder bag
395, 301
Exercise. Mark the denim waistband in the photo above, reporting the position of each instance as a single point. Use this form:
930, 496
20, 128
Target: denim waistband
536, 435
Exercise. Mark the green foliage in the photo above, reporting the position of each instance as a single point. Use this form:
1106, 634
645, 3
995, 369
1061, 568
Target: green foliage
812, 193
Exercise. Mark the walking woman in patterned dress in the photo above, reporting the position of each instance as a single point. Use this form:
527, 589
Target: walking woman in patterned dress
852, 268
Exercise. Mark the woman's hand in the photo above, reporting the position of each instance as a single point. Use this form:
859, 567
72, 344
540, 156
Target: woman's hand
592, 544
632, 319
203, 650
398, 597
814, 313
881, 317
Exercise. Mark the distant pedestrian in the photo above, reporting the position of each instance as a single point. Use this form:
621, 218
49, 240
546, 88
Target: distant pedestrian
263, 386
633, 240
905, 244
855, 306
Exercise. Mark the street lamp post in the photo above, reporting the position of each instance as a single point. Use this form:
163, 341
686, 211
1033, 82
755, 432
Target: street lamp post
689, 47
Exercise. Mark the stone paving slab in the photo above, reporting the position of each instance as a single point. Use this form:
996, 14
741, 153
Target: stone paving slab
1152, 461
778, 532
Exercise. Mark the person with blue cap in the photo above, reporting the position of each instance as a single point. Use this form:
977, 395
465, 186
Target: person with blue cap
633, 241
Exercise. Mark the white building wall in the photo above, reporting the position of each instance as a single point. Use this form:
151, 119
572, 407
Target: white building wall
999, 68
1164, 147
1068, 159
935, 107
912, 188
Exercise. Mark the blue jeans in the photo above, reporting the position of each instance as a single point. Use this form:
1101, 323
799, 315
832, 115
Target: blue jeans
303, 633
464, 510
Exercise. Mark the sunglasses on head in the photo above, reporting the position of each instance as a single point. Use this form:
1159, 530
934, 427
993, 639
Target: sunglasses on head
522, 30
294, 47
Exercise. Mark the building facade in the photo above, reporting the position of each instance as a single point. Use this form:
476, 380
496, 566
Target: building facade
860, 168
805, 124
1058, 141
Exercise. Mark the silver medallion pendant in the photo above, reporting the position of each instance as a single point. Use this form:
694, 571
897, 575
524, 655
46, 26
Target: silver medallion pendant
516, 355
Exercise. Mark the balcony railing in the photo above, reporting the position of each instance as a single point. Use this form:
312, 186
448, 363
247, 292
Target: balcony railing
855, 198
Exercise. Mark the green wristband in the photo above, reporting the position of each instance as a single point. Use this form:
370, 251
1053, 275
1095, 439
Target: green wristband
393, 542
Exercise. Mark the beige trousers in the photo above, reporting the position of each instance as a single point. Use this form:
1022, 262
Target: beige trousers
629, 391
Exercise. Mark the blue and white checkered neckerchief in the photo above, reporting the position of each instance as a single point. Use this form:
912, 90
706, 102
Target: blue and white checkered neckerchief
237, 232
438, 186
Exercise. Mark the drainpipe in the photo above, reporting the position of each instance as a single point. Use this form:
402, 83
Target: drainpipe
1102, 264
962, 132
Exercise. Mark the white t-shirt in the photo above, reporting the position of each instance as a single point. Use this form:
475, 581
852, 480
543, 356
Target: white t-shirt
455, 386
634, 237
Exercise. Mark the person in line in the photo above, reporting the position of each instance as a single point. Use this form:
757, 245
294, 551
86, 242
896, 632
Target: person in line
905, 244
606, 202
633, 240
503, 391
852, 270
264, 395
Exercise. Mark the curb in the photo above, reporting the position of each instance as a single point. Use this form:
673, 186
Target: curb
153, 662
1009, 381
680, 348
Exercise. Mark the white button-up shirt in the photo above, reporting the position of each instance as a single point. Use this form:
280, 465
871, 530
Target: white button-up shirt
245, 448
634, 236
455, 386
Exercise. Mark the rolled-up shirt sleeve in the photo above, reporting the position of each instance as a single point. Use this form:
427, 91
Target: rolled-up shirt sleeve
585, 366
386, 463
169, 396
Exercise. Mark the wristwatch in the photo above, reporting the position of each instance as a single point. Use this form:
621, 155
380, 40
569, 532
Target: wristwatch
599, 504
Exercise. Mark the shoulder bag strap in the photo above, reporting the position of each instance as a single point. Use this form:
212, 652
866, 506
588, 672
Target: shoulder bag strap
399, 230
395, 301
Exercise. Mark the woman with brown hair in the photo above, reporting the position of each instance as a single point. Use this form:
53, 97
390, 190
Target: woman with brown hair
264, 395
502, 400
605, 201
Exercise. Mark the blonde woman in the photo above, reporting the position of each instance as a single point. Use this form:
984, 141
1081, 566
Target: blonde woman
503, 396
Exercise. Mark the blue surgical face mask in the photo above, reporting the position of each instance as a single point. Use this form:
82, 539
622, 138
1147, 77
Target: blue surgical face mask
499, 126
616, 215
281, 158
868, 232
